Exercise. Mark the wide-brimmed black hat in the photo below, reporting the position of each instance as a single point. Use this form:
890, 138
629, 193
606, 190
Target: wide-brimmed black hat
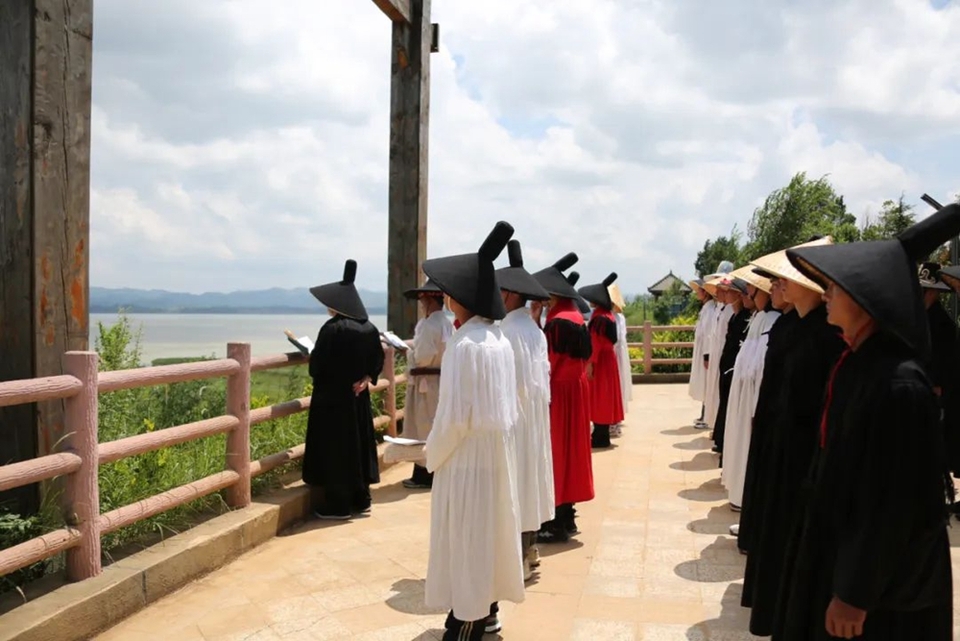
929, 275
518, 280
342, 296
470, 279
881, 275
598, 294
582, 304
429, 288
553, 280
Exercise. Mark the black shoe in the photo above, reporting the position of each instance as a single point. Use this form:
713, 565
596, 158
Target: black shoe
600, 437
410, 484
551, 533
328, 515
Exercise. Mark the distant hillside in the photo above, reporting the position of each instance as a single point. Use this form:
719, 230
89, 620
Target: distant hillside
265, 301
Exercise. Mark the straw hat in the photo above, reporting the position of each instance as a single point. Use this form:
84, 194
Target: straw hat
746, 273
779, 265
711, 285
616, 296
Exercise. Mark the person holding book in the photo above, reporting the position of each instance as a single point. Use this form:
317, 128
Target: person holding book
340, 456
475, 559
606, 400
532, 432
423, 390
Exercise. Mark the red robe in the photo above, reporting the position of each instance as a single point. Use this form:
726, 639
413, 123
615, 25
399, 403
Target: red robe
569, 348
606, 395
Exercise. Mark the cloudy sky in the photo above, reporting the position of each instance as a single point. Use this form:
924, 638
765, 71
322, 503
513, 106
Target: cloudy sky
242, 144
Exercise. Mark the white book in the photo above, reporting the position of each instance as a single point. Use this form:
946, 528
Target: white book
304, 343
399, 440
394, 341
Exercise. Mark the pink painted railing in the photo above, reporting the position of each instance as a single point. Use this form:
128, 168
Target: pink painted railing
82, 454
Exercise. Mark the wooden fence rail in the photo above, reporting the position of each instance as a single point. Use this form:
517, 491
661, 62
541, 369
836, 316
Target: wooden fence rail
82, 454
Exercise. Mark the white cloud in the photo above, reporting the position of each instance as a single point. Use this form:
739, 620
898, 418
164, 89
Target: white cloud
238, 145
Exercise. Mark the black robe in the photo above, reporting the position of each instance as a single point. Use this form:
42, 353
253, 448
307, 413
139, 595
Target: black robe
943, 374
874, 526
341, 449
815, 347
736, 332
778, 346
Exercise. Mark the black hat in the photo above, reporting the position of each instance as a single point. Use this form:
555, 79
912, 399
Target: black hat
470, 279
518, 280
598, 294
929, 275
765, 274
429, 288
552, 279
739, 284
880, 275
342, 296
582, 305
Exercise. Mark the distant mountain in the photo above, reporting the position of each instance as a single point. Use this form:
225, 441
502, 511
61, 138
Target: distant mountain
264, 301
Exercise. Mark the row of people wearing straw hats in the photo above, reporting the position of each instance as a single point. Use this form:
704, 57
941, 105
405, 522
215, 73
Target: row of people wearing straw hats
833, 439
504, 402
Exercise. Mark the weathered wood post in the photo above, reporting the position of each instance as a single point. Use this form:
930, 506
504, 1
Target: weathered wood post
413, 41
238, 439
81, 498
390, 397
647, 347
45, 65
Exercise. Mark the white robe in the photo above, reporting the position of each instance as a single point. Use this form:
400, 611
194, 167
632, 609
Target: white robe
744, 390
532, 432
475, 556
623, 362
698, 373
718, 337
423, 392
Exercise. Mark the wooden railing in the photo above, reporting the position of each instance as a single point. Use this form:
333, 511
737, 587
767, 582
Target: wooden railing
648, 345
82, 454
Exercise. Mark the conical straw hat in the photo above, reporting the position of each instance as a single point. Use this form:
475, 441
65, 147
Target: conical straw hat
746, 273
779, 265
616, 296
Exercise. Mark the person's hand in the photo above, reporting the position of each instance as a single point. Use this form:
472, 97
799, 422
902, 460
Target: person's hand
590, 371
844, 620
361, 385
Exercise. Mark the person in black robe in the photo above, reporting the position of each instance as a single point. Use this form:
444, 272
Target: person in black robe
871, 558
736, 331
778, 344
945, 350
814, 348
340, 456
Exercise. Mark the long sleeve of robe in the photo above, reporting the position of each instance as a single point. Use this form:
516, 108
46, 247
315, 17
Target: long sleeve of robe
698, 373
623, 362
475, 556
717, 339
534, 455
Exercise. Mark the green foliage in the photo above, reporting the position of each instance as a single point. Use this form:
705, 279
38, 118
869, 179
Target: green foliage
665, 336
718, 250
793, 214
894, 217
673, 299
15, 530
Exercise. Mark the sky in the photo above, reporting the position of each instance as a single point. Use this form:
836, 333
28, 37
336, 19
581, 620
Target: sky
243, 144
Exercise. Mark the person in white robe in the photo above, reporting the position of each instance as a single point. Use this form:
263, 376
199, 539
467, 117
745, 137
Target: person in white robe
698, 370
532, 431
475, 558
745, 387
622, 350
423, 374
716, 338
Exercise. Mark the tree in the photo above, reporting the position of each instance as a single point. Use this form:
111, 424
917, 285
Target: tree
673, 302
894, 217
793, 214
718, 250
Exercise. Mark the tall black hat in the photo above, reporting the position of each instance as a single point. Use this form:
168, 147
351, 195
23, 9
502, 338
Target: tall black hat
518, 280
342, 296
881, 275
429, 288
598, 294
582, 305
552, 279
929, 275
470, 279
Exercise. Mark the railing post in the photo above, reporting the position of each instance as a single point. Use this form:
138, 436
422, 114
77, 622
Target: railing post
647, 347
238, 439
82, 491
390, 400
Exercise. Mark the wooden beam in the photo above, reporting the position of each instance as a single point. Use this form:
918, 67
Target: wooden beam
396, 10
45, 91
409, 133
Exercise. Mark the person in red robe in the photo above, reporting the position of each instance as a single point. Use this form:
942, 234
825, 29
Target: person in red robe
603, 371
569, 348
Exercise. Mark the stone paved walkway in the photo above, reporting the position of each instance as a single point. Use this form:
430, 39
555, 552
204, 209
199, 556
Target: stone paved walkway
654, 560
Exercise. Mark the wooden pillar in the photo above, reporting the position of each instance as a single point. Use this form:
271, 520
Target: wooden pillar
238, 440
409, 127
45, 68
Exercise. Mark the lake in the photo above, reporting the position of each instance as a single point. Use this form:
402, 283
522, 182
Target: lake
176, 335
